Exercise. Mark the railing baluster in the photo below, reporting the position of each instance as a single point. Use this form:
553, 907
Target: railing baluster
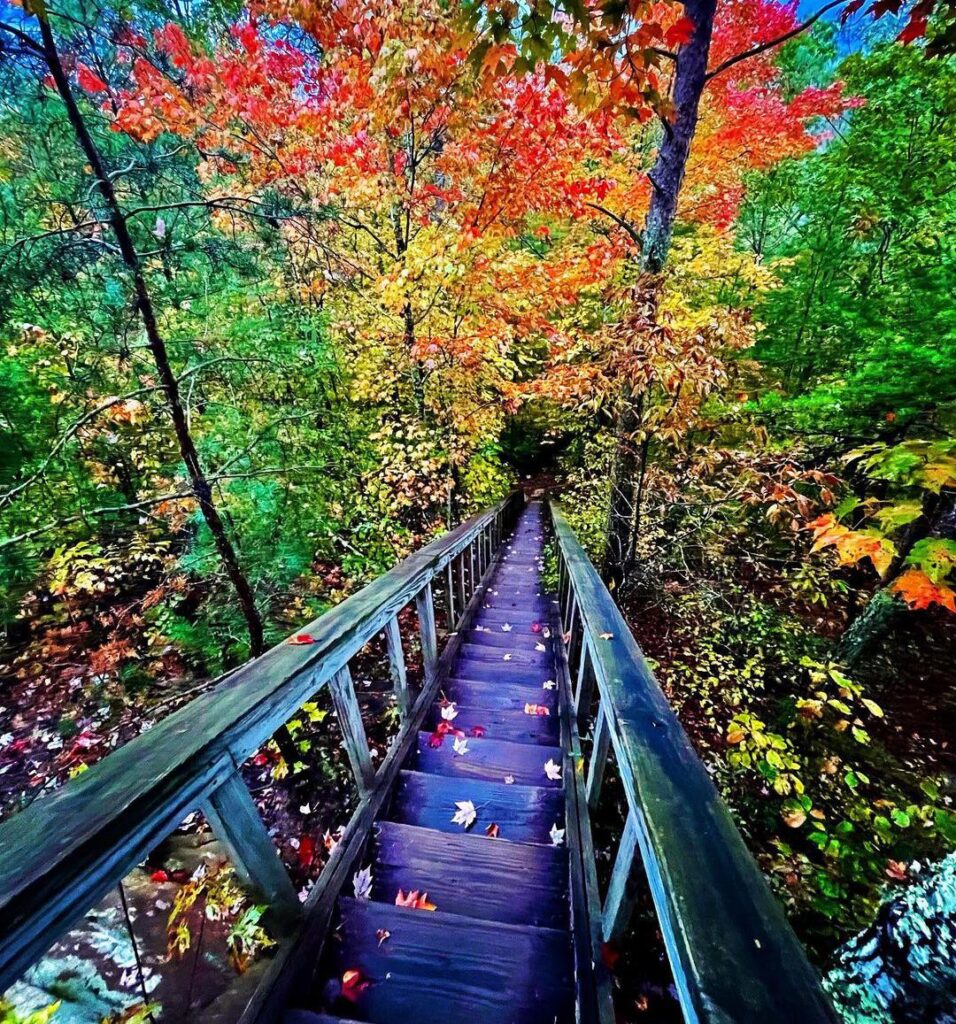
472, 581
619, 902
353, 731
425, 607
599, 751
396, 660
450, 596
234, 818
460, 579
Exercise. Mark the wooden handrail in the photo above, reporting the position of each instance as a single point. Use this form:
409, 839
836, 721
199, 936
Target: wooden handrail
64, 852
733, 954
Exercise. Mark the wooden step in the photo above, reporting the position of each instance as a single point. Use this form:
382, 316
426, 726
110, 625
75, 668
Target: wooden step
523, 639
524, 814
442, 968
495, 615
477, 693
474, 876
514, 726
496, 656
505, 672
487, 758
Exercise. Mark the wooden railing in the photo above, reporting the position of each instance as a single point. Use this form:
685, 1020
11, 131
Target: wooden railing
62, 854
733, 955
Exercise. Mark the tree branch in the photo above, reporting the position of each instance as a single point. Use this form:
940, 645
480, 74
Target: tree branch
635, 235
771, 43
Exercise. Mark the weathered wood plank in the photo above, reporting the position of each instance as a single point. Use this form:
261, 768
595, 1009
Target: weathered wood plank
598, 762
619, 901
425, 608
733, 954
396, 661
234, 817
353, 731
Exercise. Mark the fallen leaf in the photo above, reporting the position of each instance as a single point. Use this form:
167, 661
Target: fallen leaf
536, 709
606, 636
415, 900
540, 647
306, 851
794, 818
552, 771
362, 883
546, 633
492, 831
509, 780
460, 746
354, 983
301, 638
383, 935
506, 657
549, 684
535, 627
477, 731
159, 876
449, 713
436, 740
466, 814
506, 627
557, 835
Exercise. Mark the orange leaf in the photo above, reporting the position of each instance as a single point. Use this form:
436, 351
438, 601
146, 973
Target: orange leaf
919, 591
415, 900
493, 830
301, 638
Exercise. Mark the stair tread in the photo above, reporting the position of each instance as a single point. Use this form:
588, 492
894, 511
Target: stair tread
510, 696
472, 875
523, 813
511, 725
495, 655
488, 758
442, 967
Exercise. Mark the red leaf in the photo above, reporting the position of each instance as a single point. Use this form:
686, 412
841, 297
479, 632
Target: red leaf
306, 851
415, 900
477, 731
436, 740
88, 80
159, 876
679, 33
493, 830
354, 983
301, 638
535, 627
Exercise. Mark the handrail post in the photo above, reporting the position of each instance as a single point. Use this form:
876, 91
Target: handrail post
450, 596
599, 751
353, 731
234, 818
396, 660
425, 607
619, 902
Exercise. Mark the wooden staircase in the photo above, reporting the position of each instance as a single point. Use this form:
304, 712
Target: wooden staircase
498, 947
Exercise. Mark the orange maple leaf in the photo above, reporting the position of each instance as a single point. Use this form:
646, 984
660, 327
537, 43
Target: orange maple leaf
415, 900
919, 591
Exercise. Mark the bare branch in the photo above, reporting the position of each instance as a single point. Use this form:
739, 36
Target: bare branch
622, 223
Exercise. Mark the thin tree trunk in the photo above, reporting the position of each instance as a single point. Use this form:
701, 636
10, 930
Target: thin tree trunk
157, 346
667, 176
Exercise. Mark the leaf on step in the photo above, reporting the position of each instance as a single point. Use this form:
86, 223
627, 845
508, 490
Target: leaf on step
552, 770
415, 900
354, 983
362, 883
506, 657
506, 627
509, 780
466, 815
493, 831
535, 627
557, 835
301, 638
536, 709
436, 740
449, 713
460, 746
546, 633
540, 647
606, 636
477, 731
549, 684
383, 935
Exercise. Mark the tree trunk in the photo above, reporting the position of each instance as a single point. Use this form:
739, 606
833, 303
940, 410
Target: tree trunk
187, 449
667, 176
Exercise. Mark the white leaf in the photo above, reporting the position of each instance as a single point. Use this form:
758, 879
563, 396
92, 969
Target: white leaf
506, 657
540, 647
466, 813
449, 712
509, 780
552, 770
557, 834
549, 684
546, 633
362, 883
460, 746
506, 627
